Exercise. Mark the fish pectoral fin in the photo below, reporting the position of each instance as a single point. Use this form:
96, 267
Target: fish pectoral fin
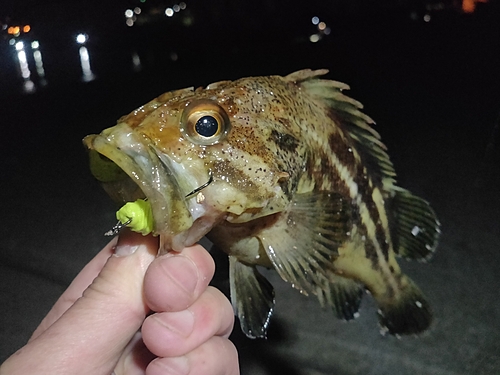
406, 313
303, 244
343, 295
252, 297
416, 230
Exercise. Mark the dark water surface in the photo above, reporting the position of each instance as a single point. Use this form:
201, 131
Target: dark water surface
433, 88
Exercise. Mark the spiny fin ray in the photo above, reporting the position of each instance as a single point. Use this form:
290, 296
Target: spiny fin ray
355, 122
303, 245
416, 230
342, 295
252, 297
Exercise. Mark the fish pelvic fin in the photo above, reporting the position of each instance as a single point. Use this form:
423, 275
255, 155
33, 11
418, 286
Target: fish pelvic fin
417, 229
343, 295
252, 297
407, 313
303, 244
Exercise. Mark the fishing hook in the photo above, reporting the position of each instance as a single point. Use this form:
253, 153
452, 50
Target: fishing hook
210, 180
117, 227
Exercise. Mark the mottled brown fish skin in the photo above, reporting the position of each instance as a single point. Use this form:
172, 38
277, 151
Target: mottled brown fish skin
299, 181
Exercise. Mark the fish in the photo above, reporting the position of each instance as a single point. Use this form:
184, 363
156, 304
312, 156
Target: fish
281, 172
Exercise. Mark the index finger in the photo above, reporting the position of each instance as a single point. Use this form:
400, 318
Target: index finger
76, 288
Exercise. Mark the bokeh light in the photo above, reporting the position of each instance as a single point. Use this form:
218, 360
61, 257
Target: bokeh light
81, 38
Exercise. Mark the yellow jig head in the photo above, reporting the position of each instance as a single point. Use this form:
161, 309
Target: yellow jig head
135, 215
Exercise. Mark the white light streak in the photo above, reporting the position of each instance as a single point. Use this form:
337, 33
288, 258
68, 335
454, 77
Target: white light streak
88, 75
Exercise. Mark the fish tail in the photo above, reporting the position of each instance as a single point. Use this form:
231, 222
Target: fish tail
407, 313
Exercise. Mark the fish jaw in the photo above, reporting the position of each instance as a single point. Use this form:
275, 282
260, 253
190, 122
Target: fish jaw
179, 220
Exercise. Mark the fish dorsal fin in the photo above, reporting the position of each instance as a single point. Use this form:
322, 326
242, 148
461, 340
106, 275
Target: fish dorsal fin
348, 116
417, 229
303, 244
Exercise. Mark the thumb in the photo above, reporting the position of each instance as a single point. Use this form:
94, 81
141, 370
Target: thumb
89, 337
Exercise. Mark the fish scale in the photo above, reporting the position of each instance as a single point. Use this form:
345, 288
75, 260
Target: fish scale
290, 175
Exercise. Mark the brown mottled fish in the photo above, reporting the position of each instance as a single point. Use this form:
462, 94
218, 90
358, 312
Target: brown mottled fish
279, 172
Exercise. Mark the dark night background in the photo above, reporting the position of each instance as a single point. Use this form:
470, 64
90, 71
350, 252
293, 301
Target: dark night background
427, 72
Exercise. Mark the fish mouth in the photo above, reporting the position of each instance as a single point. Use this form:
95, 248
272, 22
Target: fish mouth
178, 219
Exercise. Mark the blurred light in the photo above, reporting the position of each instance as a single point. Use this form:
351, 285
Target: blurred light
14, 30
169, 12
315, 20
37, 55
327, 31
4, 26
29, 86
129, 22
174, 56
88, 75
35, 44
136, 61
314, 38
321, 26
142, 1
81, 38
468, 6
137, 10
26, 29
182, 5
23, 65
21, 55
12, 41
187, 21
176, 8
427, 17
129, 13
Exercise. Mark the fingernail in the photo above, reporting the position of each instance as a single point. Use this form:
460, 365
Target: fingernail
125, 250
173, 365
182, 271
180, 322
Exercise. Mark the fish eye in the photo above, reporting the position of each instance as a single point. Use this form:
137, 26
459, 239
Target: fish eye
207, 126
204, 122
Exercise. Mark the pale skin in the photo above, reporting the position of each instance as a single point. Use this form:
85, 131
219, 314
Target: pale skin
129, 312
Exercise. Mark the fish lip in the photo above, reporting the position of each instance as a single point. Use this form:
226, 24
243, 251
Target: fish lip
141, 162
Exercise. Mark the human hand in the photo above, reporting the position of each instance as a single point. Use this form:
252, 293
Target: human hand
95, 326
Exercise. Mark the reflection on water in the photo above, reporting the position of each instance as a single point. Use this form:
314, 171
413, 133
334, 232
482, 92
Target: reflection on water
163, 35
29, 86
88, 75
37, 55
136, 61
23, 61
